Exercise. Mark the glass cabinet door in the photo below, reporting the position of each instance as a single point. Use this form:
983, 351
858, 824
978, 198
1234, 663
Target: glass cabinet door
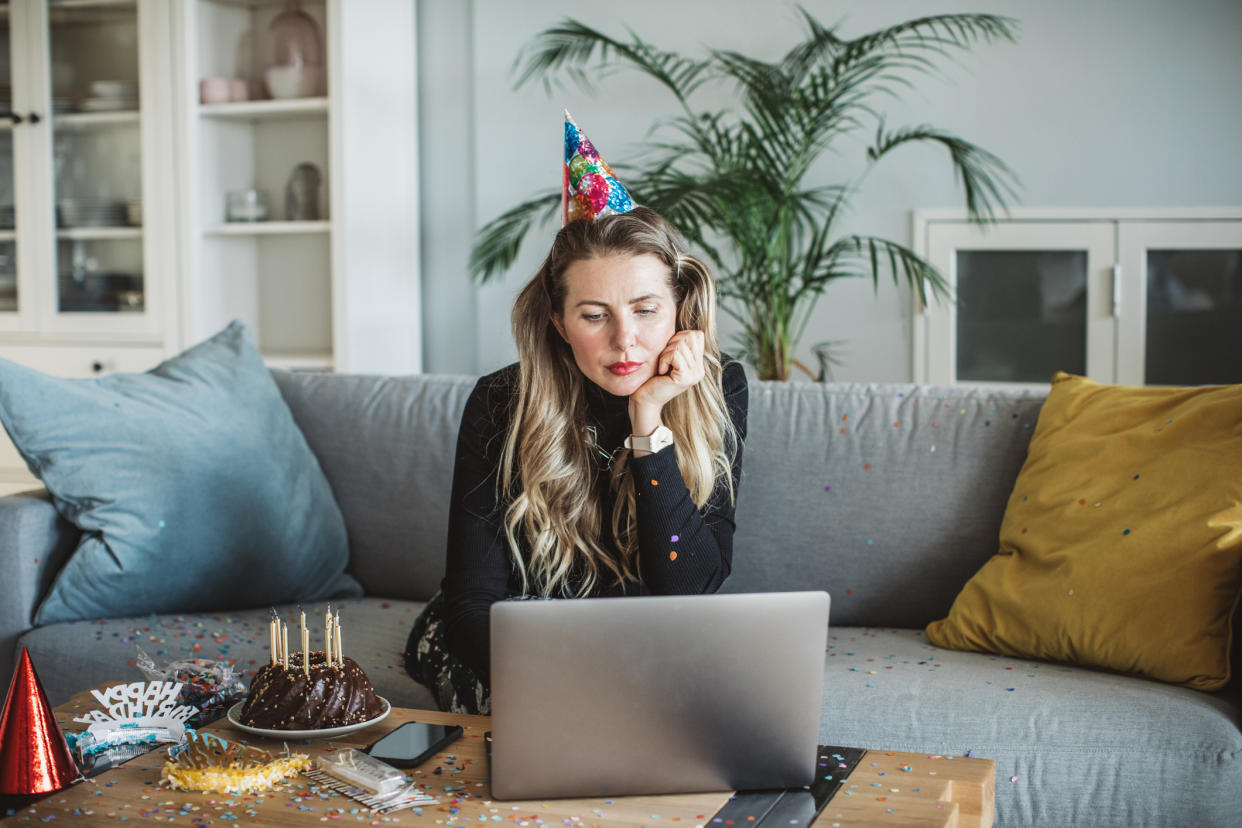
96, 157
1181, 318
1029, 299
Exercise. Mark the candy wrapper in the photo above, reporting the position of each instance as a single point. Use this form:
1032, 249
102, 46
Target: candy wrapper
132, 718
365, 779
210, 687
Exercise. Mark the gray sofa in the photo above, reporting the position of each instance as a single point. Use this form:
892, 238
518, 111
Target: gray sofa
887, 496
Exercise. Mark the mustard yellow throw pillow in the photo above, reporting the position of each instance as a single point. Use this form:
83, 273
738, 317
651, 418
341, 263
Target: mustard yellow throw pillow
1121, 546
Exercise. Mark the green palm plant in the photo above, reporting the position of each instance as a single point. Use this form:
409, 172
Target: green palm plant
735, 183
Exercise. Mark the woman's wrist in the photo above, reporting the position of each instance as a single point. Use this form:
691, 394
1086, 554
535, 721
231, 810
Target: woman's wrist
644, 419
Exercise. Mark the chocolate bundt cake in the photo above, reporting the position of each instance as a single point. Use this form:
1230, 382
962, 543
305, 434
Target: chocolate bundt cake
284, 698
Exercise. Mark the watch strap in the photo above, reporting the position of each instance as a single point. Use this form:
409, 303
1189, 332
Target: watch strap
659, 439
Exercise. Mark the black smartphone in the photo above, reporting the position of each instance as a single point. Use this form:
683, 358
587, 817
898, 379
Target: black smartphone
413, 743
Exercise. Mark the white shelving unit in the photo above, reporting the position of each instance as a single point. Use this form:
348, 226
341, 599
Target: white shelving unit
265, 110
90, 120
339, 292
99, 233
269, 228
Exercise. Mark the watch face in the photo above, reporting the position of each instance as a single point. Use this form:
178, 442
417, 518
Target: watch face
662, 438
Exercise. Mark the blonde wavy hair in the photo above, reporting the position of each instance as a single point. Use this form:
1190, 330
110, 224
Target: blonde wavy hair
553, 524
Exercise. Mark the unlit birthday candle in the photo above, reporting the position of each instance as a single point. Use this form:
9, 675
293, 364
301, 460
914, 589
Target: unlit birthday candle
336, 638
327, 636
271, 635
284, 644
280, 650
305, 645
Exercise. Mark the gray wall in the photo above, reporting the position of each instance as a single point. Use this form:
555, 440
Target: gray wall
1101, 103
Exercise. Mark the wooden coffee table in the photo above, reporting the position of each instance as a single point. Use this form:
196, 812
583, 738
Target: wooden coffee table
899, 789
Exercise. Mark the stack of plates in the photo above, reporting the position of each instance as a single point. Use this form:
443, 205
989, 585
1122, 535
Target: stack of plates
90, 212
110, 96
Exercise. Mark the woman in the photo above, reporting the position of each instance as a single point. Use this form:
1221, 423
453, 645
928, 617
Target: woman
605, 462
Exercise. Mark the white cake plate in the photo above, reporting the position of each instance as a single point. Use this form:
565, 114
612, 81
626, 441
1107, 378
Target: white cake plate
320, 733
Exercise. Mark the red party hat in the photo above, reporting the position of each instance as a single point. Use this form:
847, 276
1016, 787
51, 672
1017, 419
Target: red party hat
33, 755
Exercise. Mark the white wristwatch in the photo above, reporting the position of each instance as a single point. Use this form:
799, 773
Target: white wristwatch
661, 438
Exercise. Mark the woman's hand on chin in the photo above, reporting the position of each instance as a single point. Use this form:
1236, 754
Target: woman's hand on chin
680, 366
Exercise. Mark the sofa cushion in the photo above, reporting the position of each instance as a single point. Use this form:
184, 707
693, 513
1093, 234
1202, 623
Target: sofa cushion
876, 491
387, 446
192, 485
1121, 546
1073, 747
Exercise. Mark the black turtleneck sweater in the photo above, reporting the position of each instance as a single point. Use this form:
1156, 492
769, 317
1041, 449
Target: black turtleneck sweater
682, 549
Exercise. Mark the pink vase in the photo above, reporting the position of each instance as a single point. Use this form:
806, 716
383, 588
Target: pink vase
295, 60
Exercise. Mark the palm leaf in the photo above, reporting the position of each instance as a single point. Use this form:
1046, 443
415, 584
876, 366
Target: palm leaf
986, 181
499, 241
933, 35
572, 45
901, 261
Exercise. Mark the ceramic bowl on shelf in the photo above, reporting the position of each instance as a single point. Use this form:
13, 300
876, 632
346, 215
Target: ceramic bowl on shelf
284, 82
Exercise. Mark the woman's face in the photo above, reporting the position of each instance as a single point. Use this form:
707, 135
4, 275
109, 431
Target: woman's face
618, 315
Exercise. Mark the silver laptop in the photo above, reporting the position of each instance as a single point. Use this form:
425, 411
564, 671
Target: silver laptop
650, 695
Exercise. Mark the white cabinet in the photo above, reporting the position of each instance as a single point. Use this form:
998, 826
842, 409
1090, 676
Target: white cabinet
83, 144
115, 250
1131, 297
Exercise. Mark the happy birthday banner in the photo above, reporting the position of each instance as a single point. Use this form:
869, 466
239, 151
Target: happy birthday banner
138, 700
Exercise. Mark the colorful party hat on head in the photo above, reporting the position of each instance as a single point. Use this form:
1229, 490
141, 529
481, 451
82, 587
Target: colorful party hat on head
591, 189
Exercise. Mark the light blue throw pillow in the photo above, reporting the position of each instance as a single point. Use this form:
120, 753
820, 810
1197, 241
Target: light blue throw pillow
193, 486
